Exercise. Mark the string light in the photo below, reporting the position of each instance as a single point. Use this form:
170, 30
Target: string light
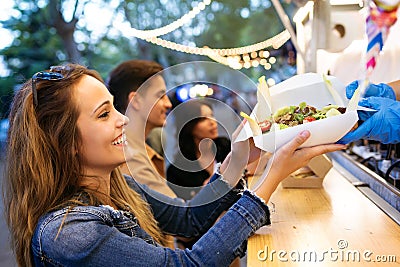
232, 56
237, 58
146, 34
275, 41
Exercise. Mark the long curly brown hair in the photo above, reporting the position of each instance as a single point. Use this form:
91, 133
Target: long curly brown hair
43, 169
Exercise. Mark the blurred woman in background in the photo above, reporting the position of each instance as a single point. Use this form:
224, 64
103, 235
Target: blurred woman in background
199, 147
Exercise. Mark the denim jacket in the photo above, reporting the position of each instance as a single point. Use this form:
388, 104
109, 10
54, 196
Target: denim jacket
103, 236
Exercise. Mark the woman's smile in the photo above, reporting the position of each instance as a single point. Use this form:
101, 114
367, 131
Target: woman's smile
120, 140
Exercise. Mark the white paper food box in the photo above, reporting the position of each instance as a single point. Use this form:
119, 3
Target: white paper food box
309, 88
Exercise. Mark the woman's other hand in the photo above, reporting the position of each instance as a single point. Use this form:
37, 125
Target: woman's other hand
241, 154
290, 158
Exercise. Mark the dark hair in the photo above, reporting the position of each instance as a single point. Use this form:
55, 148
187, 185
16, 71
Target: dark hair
223, 145
186, 118
127, 77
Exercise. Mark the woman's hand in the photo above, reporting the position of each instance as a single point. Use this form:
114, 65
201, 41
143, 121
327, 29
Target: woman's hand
241, 154
289, 159
245, 151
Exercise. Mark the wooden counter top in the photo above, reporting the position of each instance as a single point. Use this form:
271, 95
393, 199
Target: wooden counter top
327, 224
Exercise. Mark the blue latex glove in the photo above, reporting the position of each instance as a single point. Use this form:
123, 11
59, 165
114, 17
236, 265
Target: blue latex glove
382, 90
382, 125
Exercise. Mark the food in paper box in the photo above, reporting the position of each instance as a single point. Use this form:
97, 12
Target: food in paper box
290, 116
310, 89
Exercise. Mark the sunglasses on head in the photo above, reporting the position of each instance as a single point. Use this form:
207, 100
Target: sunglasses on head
54, 74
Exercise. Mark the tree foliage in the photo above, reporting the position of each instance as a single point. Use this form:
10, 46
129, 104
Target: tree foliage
48, 32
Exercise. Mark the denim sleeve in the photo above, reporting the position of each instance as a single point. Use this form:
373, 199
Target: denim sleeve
227, 239
194, 217
103, 245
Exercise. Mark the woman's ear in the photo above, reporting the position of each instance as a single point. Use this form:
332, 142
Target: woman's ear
134, 100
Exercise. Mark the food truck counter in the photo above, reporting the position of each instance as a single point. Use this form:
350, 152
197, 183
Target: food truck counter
336, 225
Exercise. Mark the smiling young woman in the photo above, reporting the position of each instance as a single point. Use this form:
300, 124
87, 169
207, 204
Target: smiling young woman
59, 148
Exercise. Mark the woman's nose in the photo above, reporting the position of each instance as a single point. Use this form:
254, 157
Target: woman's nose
167, 102
124, 120
212, 120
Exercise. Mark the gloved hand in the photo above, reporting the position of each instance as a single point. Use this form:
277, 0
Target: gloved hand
381, 90
382, 125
